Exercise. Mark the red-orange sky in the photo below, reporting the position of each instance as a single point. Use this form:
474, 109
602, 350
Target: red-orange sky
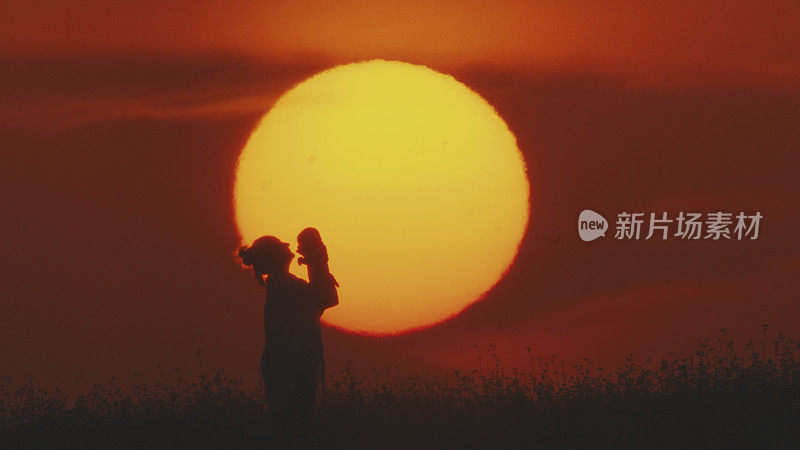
121, 124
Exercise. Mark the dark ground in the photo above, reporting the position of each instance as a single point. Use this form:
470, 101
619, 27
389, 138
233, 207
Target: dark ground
716, 398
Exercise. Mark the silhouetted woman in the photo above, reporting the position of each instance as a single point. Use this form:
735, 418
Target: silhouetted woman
292, 359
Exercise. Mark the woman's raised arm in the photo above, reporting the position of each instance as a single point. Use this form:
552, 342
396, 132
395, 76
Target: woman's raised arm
323, 291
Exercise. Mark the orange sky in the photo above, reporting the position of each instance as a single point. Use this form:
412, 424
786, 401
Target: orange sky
122, 122
647, 36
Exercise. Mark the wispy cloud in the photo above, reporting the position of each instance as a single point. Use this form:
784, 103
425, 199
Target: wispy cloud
61, 92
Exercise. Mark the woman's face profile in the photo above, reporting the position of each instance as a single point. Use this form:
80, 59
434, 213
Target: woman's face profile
275, 263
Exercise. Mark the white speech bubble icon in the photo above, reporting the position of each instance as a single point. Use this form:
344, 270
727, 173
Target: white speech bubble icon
591, 225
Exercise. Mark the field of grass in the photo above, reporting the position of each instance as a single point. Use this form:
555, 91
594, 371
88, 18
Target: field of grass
722, 396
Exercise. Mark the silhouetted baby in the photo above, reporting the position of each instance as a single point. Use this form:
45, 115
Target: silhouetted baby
314, 254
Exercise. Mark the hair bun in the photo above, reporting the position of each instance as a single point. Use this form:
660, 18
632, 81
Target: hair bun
243, 255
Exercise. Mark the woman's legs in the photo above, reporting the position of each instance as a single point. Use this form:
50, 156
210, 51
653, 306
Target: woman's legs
278, 388
290, 388
304, 394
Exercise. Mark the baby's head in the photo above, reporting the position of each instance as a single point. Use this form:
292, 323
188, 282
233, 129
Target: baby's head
309, 241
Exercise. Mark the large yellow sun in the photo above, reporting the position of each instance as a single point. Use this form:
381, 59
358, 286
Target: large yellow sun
414, 181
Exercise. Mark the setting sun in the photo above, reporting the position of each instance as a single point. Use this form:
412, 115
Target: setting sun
415, 182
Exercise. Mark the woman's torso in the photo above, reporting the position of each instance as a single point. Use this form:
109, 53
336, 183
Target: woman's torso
291, 320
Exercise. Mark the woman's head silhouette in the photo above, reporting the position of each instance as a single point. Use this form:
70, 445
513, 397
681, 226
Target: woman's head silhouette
268, 255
